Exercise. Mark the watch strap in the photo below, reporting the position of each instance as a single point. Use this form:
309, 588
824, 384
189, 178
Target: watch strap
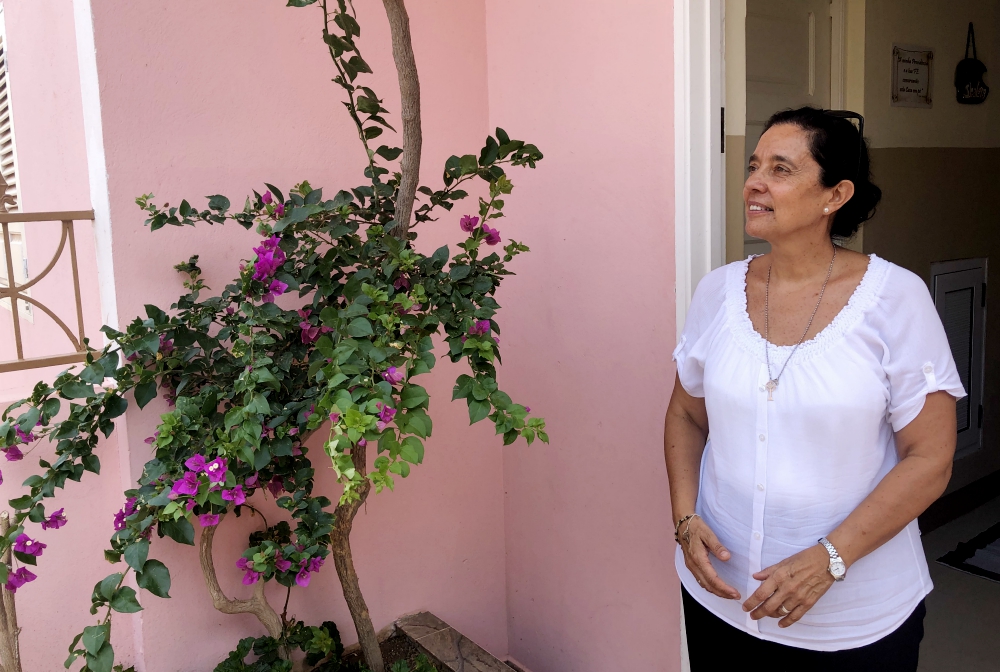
830, 548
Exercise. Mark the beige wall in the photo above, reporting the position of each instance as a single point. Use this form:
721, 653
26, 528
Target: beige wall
942, 27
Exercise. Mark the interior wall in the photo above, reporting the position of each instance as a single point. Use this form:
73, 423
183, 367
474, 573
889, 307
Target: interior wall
589, 323
938, 167
202, 98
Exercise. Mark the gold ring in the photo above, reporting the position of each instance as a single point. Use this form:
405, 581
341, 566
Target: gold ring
783, 610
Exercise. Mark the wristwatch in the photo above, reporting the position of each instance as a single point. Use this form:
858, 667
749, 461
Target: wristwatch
837, 568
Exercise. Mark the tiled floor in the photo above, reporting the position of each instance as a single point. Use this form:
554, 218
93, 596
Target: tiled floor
962, 630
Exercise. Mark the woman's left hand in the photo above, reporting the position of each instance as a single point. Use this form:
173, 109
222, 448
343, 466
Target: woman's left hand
795, 583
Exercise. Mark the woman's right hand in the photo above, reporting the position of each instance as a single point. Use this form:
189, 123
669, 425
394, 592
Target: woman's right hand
698, 540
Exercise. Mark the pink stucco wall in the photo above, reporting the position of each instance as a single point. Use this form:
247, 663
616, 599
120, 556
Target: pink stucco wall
559, 555
590, 326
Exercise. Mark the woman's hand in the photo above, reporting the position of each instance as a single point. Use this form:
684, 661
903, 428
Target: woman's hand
697, 541
791, 587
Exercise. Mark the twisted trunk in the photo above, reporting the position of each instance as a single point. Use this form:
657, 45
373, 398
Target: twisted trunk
10, 654
344, 562
409, 92
256, 605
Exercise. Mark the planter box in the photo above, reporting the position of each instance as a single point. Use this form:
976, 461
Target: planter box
448, 647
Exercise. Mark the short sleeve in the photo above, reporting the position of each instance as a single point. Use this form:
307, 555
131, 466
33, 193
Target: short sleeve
917, 358
702, 318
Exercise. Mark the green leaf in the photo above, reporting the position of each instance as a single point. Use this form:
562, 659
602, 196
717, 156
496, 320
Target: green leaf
155, 578
92, 463
478, 410
109, 584
51, 407
144, 393
372, 132
300, 3
92, 374
114, 406
413, 396
360, 327
22, 502
104, 659
135, 555
468, 164
368, 105
179, 530
37, 514
412, 450
502, 136
94, 637
259, 405
218, 203
25, 558
463, 387
501, 400
389, 153
124, 601
356, 309
78, 390
278, 196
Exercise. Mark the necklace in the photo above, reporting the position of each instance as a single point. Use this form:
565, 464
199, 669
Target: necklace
772, 382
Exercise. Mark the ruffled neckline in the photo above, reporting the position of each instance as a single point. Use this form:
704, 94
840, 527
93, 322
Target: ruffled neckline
862, 299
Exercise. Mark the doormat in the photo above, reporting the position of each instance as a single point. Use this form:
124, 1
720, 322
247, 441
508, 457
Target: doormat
980, 555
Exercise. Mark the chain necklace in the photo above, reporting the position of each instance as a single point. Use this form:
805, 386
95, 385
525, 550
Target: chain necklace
772, 382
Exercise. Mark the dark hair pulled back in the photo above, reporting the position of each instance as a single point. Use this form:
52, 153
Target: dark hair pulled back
835, 146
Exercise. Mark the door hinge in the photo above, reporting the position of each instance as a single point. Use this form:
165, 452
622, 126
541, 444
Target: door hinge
980, 424
983, 293
723, 124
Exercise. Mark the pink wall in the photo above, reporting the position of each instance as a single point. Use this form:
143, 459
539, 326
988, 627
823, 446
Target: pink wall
589, 322
200, 98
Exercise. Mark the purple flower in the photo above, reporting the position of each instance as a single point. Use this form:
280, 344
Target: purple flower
480, 328
385, 415
13, 454
270, 257
279, 209
28, 546
266, 198
195, 463
282, 564
251, 481
402, 282
527, 409
236, 495
150, 440
316, 563
22, 437
18, 578
216, 470
186, 485
468, 223
1, 478
166, 345
302, 578
492, 235
362, 442
295, 430
334, 418
392, 375
130, 506
55, 521
251, 577
276, 288
208, 519
275, 486
123, 513
189, 507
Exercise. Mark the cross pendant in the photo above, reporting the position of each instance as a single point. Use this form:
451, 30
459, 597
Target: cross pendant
771, 385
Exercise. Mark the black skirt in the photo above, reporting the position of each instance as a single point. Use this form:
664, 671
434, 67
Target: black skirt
714, 645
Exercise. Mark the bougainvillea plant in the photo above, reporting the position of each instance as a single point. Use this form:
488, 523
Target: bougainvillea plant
333, 317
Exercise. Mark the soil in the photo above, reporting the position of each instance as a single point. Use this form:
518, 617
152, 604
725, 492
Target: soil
397, 647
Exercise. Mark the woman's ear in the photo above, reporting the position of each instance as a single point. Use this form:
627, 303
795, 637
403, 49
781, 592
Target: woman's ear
840, 194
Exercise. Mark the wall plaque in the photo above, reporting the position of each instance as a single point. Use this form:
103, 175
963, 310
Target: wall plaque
912, 70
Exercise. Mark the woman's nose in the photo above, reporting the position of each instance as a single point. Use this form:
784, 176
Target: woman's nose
755, 183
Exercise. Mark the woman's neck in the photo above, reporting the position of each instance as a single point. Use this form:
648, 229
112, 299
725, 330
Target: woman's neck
800, 260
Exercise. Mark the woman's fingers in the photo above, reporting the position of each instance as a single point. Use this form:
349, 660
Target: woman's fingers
698, 551
713, 544
762, 594
795, 614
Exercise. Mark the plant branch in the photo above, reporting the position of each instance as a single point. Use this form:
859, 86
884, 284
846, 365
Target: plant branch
10, 655
409, 92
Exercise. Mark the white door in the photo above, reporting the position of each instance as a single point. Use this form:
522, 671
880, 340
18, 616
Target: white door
788, 66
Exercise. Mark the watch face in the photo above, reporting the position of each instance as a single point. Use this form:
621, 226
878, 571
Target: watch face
838, 568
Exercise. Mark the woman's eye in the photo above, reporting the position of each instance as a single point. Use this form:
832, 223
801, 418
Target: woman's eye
751, 168
780, 169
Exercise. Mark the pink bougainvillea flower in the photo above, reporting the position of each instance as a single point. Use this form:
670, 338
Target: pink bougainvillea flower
132, 357
527, 409
125, 512
385, 415
251, 577
189, 507
275, 486
270, 258
208, 519
13, 454
492, 235
18, 578
296, 450
216, 470
251, 481
186, 485
266, 198
22, 437
295, 430
362, 442
55, 521
236, 495
302, 578
402, 282
28, 546
276, 288
279, 210
480, 328
1, 478
335, 418
392, 375
150, 440
195, 463
166, 345
282, 564
316, 563
468, 223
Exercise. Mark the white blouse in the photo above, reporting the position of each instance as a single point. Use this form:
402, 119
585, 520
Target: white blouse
778, 475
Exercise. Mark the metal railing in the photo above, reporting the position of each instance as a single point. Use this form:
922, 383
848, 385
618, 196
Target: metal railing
15, 292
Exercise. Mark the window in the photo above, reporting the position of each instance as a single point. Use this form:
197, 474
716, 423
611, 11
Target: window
9, 193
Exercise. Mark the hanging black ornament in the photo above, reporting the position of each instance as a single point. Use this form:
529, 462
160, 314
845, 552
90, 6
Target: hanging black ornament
970, 89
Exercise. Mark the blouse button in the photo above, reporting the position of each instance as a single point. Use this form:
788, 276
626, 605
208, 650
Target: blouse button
756, 535
761, 437
761, 388
760, 486
928, 369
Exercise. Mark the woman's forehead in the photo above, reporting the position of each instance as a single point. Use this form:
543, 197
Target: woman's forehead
786, 141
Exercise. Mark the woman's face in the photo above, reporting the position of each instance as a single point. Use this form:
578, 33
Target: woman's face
783, 195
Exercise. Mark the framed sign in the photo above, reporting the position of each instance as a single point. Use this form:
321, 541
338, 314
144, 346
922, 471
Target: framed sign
912, 76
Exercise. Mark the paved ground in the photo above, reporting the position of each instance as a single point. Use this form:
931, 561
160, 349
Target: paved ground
962, 630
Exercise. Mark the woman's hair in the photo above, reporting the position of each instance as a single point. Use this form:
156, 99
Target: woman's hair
835, 145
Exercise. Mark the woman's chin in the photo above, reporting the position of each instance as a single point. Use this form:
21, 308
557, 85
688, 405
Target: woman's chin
758, 230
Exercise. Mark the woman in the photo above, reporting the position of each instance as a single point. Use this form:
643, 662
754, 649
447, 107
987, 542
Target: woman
812, 421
